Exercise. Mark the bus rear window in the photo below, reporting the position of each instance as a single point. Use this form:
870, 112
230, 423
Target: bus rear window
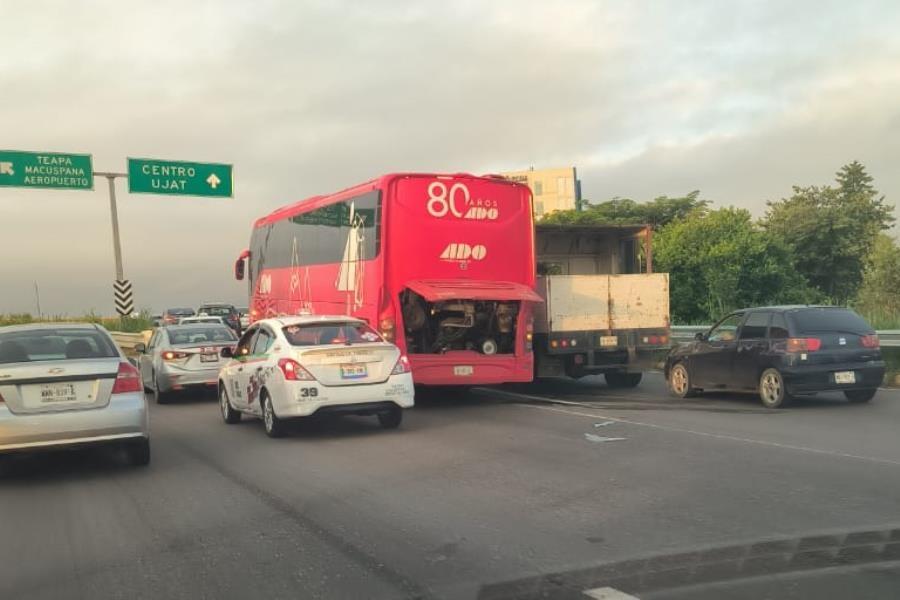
337, 333
808, 320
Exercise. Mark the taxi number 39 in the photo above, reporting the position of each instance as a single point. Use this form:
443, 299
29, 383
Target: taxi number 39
442, 201
309, 392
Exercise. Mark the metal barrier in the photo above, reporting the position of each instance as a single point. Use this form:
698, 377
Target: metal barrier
890, 338
127, 341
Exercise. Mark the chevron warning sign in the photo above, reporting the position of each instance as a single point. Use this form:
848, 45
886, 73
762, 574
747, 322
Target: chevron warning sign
124, 300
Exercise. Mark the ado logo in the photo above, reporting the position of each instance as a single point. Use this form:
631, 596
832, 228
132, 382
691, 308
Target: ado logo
455, 251
458, 202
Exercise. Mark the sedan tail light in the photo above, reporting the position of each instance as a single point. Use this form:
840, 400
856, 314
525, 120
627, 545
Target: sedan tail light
402, 366
128, 379
803, 344
171, 355
870, 341
293, 371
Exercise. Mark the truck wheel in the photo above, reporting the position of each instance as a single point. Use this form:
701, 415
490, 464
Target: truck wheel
623, 380
860, 396
680, 382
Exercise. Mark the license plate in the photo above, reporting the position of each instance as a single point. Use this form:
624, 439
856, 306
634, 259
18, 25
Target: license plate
463, 370
209, 358
353, 371
609, 340
845, 377
58, 392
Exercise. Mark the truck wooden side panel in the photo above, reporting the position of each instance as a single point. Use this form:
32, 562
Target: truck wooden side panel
639, 301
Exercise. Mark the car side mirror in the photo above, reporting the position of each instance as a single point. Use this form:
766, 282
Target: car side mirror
227, 352
700, 336
140, 347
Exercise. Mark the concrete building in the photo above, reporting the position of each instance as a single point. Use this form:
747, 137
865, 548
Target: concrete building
553, 189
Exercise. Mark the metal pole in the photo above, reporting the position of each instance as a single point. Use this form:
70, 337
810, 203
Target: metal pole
114, 214
37, 297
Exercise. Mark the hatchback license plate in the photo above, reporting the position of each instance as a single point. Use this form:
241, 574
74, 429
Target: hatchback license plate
845, 377
353, 371
58, 392
463, 370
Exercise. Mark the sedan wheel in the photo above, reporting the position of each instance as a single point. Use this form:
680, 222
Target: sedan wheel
158, 396
772, 392
274, 425
680, 382
229, 415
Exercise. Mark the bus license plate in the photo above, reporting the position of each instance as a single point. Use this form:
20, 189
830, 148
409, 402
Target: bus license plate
845, 377
353, 371
463, 370
609, 340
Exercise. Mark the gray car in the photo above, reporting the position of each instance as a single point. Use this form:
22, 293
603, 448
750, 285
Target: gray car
185, 356
68, 384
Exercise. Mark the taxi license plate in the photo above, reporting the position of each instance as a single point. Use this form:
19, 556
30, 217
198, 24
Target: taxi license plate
463, 370
845, 377
353, 371
58, 392
609, 340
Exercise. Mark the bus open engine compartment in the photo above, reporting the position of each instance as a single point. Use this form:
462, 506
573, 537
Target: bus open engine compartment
486, 326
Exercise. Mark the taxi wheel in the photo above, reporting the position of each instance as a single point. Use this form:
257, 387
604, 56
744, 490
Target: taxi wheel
391, 419
860, 396
274, 426
772, 391
139, 452
229, 415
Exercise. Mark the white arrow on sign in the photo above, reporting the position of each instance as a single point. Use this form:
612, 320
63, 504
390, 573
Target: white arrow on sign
6, 168
213, 181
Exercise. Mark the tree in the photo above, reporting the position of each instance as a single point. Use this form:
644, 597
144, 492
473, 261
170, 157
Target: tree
720, 261
831, 230
878, 298
624, 211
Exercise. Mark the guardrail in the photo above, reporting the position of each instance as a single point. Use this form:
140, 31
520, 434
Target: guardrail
890, 338
126, 341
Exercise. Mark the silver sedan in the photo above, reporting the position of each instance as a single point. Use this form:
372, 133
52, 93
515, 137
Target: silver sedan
66, 385
185, 356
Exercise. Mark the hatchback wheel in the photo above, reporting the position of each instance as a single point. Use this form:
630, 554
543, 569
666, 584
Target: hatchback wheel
274, 425
139, 452
229, 415
772, 392
391, 419
680, 381
860, 396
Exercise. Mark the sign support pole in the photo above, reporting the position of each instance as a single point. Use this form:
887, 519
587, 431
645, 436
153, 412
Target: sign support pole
114, 215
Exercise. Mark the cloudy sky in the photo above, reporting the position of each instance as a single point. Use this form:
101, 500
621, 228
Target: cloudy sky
737, 99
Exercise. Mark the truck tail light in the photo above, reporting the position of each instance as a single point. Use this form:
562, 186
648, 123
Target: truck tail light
803, 344
293, 371
387, 328
870, 341
402, 366
529, 334
128, 379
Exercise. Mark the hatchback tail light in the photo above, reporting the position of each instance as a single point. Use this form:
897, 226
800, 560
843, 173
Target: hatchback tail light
293, 371
870, 341
128, 379
402, 366
803, 344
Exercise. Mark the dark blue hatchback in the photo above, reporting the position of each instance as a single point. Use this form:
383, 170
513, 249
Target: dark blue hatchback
781, 352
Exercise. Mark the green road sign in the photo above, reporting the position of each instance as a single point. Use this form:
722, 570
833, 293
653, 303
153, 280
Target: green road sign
46, 170
179, 178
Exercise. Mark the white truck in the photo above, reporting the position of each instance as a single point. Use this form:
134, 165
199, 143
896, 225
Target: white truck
604, 309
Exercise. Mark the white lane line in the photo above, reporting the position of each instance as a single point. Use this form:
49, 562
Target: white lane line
718, 436
599, 438
608, 593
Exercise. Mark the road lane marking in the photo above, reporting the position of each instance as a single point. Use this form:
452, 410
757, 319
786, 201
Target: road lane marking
599, 438
608, 593
718, 436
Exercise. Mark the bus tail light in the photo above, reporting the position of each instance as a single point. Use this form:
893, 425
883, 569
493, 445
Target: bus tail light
803, 344
128, 379
402, 366
293, 371
529, 334
386, 326
870, 341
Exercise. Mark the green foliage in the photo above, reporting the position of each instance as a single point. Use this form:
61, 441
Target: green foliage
127, 324
831, 230
624, 211
719, 261
878, 297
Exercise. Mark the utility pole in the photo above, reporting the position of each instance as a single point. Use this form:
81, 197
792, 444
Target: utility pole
37, 299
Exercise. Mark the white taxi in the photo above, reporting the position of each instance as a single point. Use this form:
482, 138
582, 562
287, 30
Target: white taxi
289, 367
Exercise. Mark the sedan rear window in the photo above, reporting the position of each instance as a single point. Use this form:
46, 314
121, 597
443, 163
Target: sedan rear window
180, 312
217, 311
200, 334
54, 344
808, 320
317, 334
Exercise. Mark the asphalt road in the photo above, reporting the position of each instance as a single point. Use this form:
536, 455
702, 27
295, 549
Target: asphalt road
495, 493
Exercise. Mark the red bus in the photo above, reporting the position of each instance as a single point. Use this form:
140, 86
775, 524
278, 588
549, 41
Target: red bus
442, 265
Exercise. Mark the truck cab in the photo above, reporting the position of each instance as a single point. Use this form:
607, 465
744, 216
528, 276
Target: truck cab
605, 311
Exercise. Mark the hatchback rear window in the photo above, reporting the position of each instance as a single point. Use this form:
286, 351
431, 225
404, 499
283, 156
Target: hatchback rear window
809, 320
54, 344
330, 333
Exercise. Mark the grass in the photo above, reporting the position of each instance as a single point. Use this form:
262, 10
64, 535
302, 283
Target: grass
125, 324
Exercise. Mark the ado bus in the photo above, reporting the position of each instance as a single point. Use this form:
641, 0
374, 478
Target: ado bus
442, 265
